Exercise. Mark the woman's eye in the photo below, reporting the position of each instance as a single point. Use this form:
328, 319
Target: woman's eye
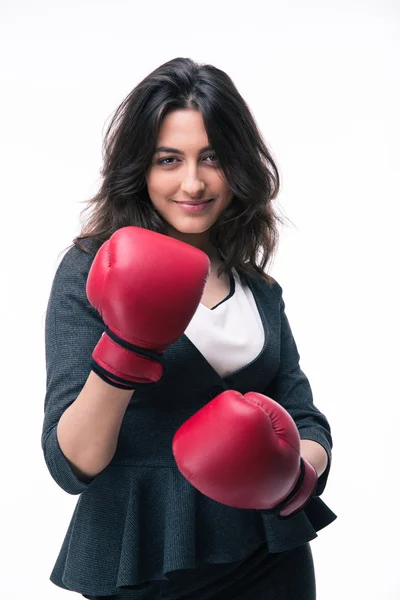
162, 161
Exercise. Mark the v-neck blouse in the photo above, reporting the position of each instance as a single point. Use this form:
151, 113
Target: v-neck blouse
231, 334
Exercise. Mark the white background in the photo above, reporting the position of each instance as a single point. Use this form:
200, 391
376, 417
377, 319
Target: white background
322, 79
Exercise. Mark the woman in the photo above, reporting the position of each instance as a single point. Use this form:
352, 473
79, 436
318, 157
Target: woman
160, 311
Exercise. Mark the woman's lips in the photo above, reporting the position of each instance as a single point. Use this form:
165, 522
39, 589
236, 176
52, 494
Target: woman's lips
194, 208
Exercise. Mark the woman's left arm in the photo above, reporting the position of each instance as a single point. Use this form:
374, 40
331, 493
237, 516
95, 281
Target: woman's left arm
315, 454
291, 388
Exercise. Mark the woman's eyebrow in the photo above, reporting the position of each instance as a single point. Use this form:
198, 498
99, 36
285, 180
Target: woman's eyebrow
168, 149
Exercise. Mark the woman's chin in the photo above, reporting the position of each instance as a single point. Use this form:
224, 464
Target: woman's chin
190, 228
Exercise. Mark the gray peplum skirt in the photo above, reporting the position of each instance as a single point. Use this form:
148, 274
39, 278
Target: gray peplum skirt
263, 575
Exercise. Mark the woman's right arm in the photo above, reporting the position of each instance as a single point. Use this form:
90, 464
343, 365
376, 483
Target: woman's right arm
82, 413
88, 429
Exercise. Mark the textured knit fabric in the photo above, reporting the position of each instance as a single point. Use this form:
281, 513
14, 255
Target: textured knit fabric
288, 575
140, 519
231, 334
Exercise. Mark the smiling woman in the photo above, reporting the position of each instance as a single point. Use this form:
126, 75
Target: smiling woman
171, 141
167, 342
191, 192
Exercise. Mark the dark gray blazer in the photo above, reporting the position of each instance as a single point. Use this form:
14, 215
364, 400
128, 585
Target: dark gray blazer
139, 518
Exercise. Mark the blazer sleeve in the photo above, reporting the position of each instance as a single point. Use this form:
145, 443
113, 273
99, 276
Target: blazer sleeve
72, 329
291, 388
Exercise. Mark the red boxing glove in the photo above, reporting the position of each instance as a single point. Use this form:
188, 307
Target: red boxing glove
146, 287
244, 451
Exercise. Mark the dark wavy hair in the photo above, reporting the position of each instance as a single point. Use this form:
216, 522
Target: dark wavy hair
246, 233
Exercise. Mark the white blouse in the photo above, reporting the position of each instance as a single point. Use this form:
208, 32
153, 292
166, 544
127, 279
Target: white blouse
231, 334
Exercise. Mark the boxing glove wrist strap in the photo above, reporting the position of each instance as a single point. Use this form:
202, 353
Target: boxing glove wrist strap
125, 365
300, 495
109, 378
131, 347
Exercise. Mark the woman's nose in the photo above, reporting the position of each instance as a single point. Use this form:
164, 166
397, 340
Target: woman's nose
192, 185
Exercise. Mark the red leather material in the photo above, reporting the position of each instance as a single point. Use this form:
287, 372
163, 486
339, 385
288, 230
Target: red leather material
243, 451
123, 363
304, 494
146, 287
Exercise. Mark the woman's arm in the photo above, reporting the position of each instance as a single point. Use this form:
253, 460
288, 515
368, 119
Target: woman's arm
291, 388
88, 429
315, 454
82, 413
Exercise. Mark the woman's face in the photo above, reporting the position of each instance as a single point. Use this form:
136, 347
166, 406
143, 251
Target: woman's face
187, 172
